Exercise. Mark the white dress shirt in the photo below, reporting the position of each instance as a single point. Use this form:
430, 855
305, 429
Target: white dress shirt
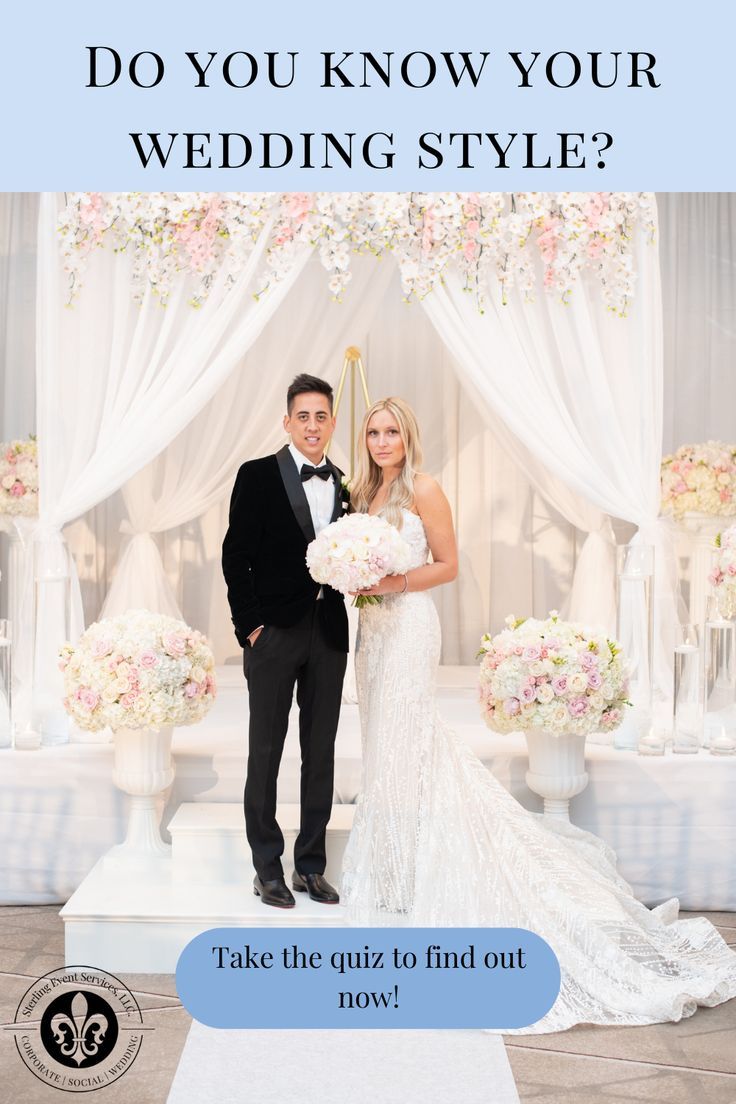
320, 492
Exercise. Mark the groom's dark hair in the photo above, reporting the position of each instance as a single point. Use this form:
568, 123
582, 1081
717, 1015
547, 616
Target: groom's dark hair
303, 383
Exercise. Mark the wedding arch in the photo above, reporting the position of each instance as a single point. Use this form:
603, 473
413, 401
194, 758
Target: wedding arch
548, 303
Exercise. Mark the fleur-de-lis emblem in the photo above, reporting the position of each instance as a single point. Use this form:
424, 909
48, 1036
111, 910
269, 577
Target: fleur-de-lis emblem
80, 1036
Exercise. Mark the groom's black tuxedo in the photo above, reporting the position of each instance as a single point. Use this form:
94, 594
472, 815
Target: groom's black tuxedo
304, 642
263, 553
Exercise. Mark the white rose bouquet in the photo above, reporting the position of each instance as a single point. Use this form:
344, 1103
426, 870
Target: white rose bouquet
723, 576
355, 552
19, 477
551, 674
138, 670
700, 478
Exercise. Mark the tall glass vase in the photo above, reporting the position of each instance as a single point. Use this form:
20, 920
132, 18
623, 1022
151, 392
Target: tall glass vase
700, 530
719, 676
52, 616
635, 631
6, 685
19, 590
687, 715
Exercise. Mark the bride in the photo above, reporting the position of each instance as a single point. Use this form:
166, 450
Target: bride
437, 841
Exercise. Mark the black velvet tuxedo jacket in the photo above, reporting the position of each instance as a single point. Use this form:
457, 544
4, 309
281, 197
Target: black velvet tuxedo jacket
263, 554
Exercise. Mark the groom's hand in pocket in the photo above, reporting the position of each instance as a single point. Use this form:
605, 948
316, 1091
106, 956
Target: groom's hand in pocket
254, 635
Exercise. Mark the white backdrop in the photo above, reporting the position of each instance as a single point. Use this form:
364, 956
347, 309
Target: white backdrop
516, 553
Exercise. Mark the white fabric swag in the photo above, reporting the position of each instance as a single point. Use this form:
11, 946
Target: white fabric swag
115, 383
582, 391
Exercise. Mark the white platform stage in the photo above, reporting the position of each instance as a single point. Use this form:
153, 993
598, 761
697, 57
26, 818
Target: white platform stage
671, 820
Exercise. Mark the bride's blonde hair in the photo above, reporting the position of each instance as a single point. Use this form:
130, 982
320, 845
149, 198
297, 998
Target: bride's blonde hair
368, 475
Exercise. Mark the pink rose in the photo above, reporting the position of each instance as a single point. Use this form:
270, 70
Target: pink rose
511, 706
532, 652
611, 719
148, 659
559, 685
577, 707
594, 680
18, 489
174, 644
101, 647
192, 690
10, 456
88, 698
588, 661
528, 693
128, 700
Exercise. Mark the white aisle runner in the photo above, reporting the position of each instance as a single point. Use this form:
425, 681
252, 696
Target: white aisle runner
342, 1067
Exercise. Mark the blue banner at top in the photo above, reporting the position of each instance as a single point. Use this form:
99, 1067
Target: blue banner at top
383, 97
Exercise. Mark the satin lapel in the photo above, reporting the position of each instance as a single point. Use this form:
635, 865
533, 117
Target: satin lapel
295, 491
337, 510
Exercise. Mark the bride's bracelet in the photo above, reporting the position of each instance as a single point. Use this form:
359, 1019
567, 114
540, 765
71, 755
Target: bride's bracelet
406, 584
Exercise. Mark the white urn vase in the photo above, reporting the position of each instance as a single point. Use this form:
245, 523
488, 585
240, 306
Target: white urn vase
556, 769
143, 769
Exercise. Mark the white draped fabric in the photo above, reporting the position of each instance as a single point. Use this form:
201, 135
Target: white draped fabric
115, 383
582, 390
697, 248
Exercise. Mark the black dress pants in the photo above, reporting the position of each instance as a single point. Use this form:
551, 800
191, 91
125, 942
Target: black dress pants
281, 658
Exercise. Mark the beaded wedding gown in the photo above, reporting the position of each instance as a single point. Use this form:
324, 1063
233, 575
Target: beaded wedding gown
437, 841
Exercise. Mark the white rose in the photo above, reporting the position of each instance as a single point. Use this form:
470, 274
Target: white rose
545, 693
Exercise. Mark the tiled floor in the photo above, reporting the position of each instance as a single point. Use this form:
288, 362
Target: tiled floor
693, 1062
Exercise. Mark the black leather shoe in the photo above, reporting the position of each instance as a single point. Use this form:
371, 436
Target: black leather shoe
318, 888
274, 892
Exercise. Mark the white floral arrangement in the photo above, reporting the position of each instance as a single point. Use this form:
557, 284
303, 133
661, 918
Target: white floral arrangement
357, 551
554, 675
701, 479
19, 477
723, 576
517, 239
138, 670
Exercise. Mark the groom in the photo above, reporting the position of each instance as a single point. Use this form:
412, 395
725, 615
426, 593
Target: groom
292, 631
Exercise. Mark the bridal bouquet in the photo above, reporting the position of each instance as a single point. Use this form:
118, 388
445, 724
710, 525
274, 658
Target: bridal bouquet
357, 551
19, 477
138, 670
551, 674
700, 478
723, 576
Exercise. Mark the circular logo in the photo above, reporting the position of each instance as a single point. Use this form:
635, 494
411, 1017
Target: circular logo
78, 1028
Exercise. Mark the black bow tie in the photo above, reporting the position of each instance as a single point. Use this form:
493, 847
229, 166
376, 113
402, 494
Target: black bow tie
324, 472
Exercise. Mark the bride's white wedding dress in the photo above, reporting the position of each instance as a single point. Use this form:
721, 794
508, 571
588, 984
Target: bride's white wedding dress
437, 841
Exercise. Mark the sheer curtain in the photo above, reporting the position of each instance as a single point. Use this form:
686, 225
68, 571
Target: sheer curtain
242, 420
116, 382
697, 247
583, 392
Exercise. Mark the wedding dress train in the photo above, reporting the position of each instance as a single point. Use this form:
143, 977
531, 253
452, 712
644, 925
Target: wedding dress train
437, 841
